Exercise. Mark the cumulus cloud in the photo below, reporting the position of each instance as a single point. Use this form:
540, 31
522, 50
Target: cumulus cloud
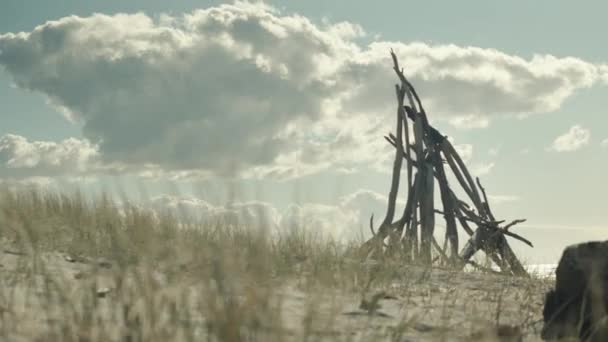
344, 220
480, 169
470, 121
244, 89
365, 202
474, 84
35, 182
325, 220
21, 158
604, 143
494, 151
237, 213
574, 139
465, 151
500, 199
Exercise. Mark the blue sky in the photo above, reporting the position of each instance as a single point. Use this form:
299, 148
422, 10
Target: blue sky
151, 109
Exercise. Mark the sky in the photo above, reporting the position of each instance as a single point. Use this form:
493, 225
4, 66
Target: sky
280, 107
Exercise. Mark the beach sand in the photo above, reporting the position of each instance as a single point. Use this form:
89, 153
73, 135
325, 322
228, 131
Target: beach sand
419, 304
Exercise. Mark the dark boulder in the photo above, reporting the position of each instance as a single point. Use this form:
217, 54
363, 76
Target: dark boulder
577, 307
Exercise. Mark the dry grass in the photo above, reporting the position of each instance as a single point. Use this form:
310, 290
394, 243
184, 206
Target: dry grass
78, 270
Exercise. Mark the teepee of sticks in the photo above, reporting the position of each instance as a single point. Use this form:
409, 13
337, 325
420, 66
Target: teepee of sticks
428, 155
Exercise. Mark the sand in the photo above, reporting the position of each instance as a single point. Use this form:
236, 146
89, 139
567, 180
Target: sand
419, 305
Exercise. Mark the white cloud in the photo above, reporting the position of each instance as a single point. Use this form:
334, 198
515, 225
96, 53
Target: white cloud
480, 169
470, 121
604, 72
465, 151
28, 182
20, 158
574, 139
238, 213
243, 89
345, 220
500, 199
604, 143
494, 151
367, 202
326, 220
475, 84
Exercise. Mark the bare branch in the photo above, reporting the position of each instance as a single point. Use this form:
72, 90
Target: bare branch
485, 203
371, 225
517, 237
514, 223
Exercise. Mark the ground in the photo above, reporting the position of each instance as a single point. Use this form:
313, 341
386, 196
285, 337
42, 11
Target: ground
53, 296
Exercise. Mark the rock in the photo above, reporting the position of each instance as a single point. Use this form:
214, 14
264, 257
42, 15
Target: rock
501, 333
80, 275
509, 333
423, 327
576, 308
14, 252
69, 258
103, 292
104, 263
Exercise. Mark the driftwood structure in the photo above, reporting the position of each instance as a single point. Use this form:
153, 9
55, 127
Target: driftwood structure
429, 156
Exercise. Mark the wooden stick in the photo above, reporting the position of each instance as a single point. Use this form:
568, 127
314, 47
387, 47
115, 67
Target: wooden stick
404, 80
514, 223
518, 237
456, 171
484, 269
456, 204
511, 259
465, 225
481, 240
486, 204
409, 205
427, 214
392, 196
449, 150
414, 226
371, 228
406, 156
479, 220
451, 233
408, 146
440, 251
410, 215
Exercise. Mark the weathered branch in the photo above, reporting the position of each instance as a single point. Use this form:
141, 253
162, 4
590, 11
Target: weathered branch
371, 228
460, 170
451, 233
392, 196
486, 203
427, 214
514, 223
517, 237
409, 85
406, 156
440, 251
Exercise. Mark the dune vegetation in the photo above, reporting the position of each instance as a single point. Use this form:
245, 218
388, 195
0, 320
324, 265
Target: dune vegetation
73, 269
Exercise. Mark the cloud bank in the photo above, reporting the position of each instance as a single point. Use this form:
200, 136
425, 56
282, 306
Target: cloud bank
344, 221
21, 158
246, 90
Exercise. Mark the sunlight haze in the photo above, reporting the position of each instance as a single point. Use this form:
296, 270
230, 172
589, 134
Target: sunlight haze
281, 107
